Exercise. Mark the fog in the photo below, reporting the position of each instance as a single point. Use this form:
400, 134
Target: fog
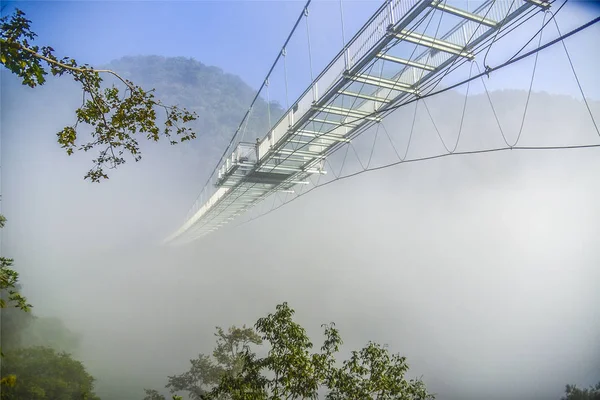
483, 270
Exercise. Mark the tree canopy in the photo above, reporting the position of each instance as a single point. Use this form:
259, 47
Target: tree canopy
40, 373
205, 372
291, 369
572, 392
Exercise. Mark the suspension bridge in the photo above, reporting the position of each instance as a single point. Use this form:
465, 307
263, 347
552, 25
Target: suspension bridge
398, 57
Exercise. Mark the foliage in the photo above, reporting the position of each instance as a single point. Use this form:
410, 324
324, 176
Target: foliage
35, 372
206, 372
23, 329
9, 282
290, 370
115, 115
152, 394
8, 381
14, 323
45, 374
372, 373
572, 392
10, 295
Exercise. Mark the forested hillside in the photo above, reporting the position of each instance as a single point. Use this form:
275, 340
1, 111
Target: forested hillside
220, 99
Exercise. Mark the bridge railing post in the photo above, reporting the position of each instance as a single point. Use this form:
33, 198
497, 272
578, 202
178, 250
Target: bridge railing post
347, 58
257, 150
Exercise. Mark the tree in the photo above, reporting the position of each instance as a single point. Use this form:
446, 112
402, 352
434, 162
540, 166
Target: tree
20, 329
9, 282
23, 329
290, 370
205, 372
10, 296
572, 392
45, 374
20, 371
152, 394
14, 322
115, 114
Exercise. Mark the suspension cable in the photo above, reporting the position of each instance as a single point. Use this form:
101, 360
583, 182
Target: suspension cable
258, 93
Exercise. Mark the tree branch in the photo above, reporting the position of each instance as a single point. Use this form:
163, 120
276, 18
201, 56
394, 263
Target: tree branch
65, 66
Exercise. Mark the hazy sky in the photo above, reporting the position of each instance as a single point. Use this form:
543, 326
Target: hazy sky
482, 270
244, 37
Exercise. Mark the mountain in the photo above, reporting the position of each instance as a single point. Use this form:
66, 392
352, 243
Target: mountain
220, 99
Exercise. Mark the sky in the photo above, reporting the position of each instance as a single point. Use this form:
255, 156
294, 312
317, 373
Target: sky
482, 271
244, 37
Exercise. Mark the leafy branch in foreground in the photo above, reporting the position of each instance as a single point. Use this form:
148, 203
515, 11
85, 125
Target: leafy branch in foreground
115, 115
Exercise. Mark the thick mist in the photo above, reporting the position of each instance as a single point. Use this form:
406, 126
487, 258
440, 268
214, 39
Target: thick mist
481, 269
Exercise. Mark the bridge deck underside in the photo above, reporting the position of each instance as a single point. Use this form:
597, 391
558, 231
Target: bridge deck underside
388, 62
